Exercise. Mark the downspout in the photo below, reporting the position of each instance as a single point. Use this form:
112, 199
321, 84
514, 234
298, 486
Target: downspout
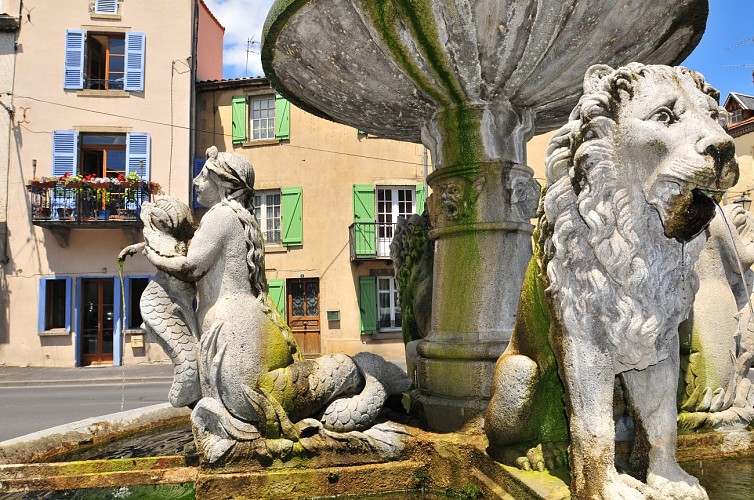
192, 112
4, 258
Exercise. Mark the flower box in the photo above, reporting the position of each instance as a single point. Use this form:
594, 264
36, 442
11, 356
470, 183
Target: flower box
131, 184
73, 185
44, 185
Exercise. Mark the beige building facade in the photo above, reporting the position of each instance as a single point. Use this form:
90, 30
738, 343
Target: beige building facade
101, 89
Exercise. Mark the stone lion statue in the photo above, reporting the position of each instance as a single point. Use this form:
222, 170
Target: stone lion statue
632, 180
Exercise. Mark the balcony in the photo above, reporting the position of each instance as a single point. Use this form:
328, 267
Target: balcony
61, 207
370, 240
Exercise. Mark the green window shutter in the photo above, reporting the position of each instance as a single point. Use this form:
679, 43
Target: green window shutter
368, 304
421, 196
364, 226
238, 107
292, 201
282, 118
277, 294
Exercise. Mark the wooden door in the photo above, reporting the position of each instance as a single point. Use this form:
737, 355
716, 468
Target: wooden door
303, 314
97, 321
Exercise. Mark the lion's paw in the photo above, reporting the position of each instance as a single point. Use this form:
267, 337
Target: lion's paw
677, 484
543, 456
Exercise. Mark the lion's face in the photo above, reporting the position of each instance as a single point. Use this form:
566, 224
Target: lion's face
671, 142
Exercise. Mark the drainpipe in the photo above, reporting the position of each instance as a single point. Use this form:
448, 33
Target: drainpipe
192, 112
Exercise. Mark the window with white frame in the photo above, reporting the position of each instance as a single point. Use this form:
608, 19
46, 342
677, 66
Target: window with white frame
267, 210
262, 117
392, 202
388, 305
736, 115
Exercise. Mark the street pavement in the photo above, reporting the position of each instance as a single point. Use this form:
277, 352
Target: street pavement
37, 398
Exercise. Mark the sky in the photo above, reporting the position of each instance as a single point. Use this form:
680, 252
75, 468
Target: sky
722, 56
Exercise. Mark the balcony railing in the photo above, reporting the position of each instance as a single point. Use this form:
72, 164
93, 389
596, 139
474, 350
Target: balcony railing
60, 205
370, 240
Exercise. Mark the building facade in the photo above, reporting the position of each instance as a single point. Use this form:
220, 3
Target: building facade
740, 109
327, 199
102, 89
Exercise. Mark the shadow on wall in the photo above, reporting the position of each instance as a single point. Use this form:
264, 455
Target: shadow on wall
4, 326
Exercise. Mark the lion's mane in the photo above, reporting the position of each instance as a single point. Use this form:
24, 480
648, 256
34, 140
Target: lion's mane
608, 261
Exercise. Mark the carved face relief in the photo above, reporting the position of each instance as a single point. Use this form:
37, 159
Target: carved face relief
525, 193
672, 143
458, 196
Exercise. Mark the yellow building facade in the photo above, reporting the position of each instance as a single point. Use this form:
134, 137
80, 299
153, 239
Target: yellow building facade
101, 89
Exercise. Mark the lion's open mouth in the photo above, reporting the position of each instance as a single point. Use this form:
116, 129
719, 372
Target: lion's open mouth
690, 213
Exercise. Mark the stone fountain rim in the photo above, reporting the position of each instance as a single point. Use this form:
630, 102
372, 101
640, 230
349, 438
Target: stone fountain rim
282, 10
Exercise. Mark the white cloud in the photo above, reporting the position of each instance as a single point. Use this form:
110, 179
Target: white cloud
243, 20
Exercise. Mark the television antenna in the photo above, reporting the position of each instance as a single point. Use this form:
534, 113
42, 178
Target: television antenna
250, 44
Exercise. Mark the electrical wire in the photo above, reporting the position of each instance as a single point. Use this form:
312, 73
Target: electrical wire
182, 127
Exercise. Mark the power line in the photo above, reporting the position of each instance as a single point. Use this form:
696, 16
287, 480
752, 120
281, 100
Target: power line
182, 127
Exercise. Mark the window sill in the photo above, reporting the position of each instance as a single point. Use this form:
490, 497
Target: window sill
105, 17
275, 249
260, 142
103, 93
59, 332
133, 331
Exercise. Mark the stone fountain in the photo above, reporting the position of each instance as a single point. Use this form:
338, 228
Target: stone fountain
472, 81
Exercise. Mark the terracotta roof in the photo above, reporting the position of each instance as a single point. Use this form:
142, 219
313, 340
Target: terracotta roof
249, 81
212, 15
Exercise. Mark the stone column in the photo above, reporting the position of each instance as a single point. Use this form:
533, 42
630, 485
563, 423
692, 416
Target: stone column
483, 198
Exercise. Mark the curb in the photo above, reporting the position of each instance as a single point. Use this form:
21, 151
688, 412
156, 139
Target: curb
9, 384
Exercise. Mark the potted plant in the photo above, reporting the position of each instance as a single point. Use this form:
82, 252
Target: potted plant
72, 181
42, 183
102, 183
154, 187
130, 180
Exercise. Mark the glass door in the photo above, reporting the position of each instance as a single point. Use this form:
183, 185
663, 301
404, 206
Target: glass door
97, 324
391, 203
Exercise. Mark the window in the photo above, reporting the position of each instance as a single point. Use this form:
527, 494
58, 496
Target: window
280, 215
388, 305
736, 115
54, 304
375, 214
104, 61
106, 6
262, 116
392, 202
267, 211
134, 287
105, 155
266, 117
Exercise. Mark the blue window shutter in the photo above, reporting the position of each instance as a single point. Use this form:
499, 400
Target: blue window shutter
75, 42
282, 118
42, 302
292, 201
65, 152
77, 337
135, 47
117, 323
198, 165
138, 145
68, 304
277, 294
106, 6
